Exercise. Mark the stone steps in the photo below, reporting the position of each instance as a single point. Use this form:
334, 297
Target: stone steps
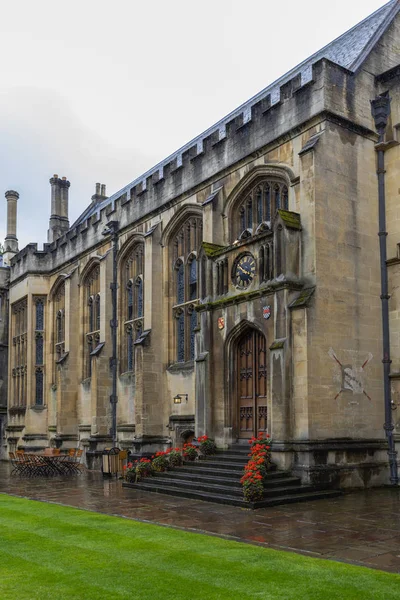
278, 479
155, 485
218, 488
217, 479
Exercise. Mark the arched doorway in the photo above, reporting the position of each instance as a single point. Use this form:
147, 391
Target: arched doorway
250, 374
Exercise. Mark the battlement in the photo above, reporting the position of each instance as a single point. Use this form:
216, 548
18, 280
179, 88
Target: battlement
275, 115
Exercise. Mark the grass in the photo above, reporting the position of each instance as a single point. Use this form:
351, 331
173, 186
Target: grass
51, 552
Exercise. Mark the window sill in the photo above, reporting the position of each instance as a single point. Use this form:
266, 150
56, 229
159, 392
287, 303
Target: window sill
127, 373
17, 410
39, 407
180, 367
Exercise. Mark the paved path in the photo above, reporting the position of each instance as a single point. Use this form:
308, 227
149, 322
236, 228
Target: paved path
361, 527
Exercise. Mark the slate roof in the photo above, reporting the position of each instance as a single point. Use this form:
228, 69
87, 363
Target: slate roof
349, 51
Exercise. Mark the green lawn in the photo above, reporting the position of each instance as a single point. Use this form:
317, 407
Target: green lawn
52, 552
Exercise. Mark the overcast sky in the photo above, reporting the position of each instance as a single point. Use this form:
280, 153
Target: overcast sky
102, 91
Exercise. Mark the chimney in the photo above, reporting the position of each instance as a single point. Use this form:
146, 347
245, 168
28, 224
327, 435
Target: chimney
65, 185
58, 223
11, 240
100, 193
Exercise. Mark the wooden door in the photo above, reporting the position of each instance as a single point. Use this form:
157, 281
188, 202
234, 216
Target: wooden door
251, 377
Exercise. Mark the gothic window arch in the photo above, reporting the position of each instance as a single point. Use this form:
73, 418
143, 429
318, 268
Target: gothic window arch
184, 246
19, 358
92, 316
39, 320
59, 321
132, 300
257, 206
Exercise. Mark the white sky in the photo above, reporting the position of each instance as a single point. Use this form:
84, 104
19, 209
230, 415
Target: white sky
102, 91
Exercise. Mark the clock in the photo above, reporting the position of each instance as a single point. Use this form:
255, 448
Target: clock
244, 271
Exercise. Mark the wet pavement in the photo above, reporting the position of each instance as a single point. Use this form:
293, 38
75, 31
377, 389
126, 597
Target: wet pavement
361, 527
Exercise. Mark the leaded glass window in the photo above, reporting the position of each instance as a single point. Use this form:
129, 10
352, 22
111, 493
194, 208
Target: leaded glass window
39, 354
180, 282
19, 359
132, 274
39, 349
59, 324
39, 315
193, 279
97, 312
139, 293
184, 246
129, 342
193, 325
181, 337
92, 317
91, 313
285, 198
277, 192
259, 206
39, 387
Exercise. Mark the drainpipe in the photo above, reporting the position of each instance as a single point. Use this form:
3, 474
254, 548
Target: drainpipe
112, 230
380, 108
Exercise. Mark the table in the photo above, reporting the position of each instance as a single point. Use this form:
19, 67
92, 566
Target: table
40, 463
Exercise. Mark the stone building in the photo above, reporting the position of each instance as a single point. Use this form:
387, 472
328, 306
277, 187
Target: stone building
248, 283
3, 351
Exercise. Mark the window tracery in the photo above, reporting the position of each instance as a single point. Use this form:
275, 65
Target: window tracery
258, 206
92, 318
19, 352
59, 321
39, 304
184, 246
132, 304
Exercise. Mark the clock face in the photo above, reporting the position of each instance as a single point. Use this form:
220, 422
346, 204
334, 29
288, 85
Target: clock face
245, 271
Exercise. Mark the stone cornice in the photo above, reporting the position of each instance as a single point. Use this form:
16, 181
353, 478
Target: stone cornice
270, 288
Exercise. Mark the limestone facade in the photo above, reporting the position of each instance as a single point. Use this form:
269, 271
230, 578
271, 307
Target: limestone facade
248, 286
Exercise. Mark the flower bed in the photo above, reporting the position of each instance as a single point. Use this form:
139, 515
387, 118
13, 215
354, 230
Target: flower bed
256, 468
169, 459
207, 446
138, 469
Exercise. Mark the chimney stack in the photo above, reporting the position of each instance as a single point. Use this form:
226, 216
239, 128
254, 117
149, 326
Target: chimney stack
11, 240
100, 194
59, 222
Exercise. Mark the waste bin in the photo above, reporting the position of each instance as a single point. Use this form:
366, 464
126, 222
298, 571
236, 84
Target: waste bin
110, 465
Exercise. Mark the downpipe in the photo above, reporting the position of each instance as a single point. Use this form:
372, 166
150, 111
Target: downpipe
380, 108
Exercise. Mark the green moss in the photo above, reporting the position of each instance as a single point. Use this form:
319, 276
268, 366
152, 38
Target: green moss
303, 298
243, 296
290, 219
277, 345
212, 249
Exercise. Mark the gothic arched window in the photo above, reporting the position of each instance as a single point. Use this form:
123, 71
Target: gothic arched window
132, 295
39, 303
184, 246
91, 318
59, 321
19, 358
259, 205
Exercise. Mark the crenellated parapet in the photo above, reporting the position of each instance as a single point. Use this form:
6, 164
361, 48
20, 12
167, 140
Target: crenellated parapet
282, 111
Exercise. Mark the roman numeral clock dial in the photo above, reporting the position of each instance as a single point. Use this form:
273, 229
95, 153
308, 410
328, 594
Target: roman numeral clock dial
245, 271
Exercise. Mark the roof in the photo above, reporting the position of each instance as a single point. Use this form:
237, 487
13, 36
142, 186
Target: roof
349, 51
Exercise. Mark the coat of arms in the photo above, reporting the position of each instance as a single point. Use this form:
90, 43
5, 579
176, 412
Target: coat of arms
266, 312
